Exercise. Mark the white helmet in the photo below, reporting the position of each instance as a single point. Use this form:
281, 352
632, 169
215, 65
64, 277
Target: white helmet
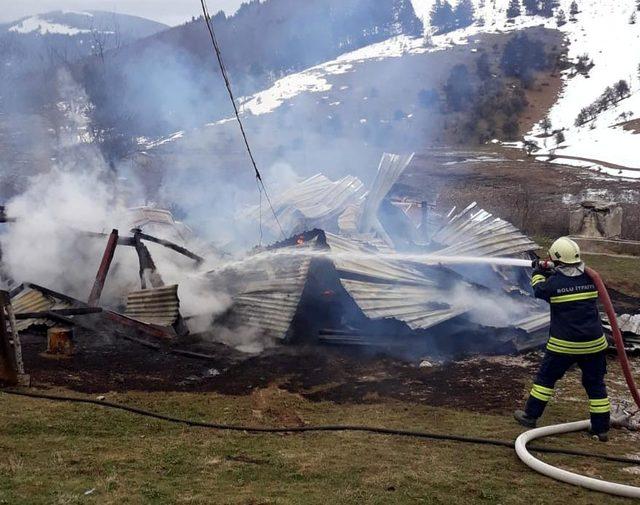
565, 250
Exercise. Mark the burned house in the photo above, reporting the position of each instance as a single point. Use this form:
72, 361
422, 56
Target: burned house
350, 283
357, 269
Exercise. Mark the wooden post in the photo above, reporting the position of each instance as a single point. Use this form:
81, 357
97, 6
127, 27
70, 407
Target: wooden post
103, 270
148, 270
8, 368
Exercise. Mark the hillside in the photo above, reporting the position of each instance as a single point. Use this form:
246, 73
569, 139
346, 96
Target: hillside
349, 81
32, 48
603, 33
609, 137
161, 115
77, 23
170, 80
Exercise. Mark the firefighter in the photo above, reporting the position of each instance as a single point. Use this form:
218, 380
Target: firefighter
576, 336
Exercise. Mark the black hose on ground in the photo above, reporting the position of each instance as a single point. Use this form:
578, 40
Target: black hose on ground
307, 429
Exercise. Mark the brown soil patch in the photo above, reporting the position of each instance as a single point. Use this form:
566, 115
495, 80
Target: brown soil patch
315, 373
633, 126
546, 89
534, 195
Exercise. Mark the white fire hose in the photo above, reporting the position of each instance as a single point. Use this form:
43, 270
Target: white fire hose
564, 475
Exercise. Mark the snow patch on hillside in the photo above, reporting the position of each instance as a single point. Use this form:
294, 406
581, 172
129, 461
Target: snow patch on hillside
603, 32
42, 26
315, 79
143, 141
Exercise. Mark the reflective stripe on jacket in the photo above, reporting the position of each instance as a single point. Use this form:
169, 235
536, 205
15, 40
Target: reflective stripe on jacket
575, 320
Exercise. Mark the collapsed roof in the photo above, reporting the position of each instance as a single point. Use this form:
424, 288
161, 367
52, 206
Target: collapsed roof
347, 283
343, 207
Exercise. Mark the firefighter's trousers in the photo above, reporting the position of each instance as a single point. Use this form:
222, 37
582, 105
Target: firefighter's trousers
553, 368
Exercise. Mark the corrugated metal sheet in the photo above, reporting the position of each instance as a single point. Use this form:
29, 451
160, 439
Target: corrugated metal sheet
387, 288
30, 299
389, 170
344, 205
534, 323
475, 232
160, 222
354, 256
414, 305
629, 323
159, 306
312, 202
266, 291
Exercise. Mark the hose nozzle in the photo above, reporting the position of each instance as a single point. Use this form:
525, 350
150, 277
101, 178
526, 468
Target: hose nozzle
543, 264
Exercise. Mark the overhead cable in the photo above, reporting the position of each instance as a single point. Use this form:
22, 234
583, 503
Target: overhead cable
227, 82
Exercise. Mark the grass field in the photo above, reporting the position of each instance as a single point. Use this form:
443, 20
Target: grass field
620, 273
67, 453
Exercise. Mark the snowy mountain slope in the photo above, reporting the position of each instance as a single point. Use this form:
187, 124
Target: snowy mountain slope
44, 26
591, 33
602, 32
73, 23
315, 79
32, 47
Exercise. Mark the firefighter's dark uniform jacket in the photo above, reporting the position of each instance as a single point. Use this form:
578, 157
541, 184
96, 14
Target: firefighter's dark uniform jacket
575, 320
575, 337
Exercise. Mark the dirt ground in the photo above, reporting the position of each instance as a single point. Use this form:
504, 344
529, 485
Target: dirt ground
316, 373
535, 196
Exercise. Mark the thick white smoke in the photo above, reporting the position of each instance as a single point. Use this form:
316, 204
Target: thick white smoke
78, 193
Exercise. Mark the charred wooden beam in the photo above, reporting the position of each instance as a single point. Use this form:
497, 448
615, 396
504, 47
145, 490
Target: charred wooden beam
131, 242
172, 246
144, 328
148, 271
103, 270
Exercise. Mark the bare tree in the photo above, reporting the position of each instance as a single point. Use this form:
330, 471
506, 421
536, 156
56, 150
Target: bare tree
98, 42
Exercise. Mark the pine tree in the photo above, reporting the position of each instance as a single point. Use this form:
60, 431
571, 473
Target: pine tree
428, 38
632, 19
514, 9
458, 90
638, 5
546, 125
464, 13
560, 138
574, 8
561, 19
532, 7
548, 6
406, 16
442, 17
622, 88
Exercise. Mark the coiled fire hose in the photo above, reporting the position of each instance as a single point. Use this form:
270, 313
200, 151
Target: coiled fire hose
564, 475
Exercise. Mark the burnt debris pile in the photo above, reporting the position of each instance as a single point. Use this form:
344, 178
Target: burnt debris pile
361, 267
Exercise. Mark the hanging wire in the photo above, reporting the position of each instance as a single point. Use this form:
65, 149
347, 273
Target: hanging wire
261, 187
260, 210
